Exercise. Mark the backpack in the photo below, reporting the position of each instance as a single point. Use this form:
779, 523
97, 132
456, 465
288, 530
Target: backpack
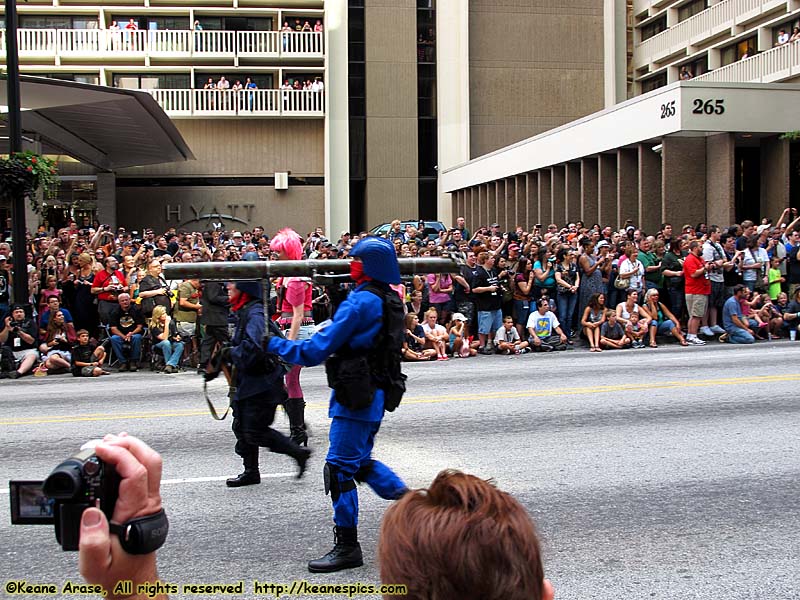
7, 361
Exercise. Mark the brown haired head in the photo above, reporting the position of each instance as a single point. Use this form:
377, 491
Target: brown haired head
462, 538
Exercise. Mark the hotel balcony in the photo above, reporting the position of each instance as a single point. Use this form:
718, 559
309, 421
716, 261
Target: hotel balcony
778, 64
240, 103
716, 20
102, 44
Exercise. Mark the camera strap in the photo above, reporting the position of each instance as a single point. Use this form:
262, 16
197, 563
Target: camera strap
142, 535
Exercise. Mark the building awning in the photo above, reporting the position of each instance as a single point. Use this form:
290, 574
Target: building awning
108, 128
683, 109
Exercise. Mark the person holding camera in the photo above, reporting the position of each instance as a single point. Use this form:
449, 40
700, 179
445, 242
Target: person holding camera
108, 284
19, 336
153, 289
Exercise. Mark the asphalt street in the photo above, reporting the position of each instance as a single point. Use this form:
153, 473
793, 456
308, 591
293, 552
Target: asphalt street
668, 473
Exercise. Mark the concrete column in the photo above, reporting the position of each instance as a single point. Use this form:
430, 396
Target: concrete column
533, 200
452, 90
521, 215
558, 213
589, 193
721, 179
492, 194
510, 216
683, 176
774, 176
607, 189
501, 186
627, 186
649, 189
472, 215
545, 198
572, 195
107, 199
614, 52
337, 129
483, 206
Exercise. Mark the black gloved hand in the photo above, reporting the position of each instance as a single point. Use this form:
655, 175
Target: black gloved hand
225, 355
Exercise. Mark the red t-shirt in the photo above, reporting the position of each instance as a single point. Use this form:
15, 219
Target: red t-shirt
103, 279
695, 285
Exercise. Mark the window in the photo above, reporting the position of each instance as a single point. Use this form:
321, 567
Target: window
154, 23
44, 22
654, 28
653, 83
696, 67
689, 10
739, 50
264, 81
164, 81
76, 77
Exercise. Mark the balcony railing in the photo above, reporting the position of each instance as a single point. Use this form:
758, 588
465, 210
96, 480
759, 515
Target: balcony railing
708, 23
102, 43
776, 64
240, 103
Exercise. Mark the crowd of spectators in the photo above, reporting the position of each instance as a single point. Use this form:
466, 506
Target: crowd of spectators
518, 291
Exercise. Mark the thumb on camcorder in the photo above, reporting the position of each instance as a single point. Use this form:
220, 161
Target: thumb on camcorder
95, 544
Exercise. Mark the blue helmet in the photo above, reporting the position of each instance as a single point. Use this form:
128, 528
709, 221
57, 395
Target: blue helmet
252, 288
379, 258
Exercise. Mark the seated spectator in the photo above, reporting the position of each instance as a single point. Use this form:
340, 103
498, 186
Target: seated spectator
663, 321
631, 306
461, 538
791, 316
594, 315
769, 315
738, 328
57, 343
635, 331
19, 336
153, 289
460, 343
612, 335
414, 343
507, 340
747, 302
126, 327
53, 305
416, 305
165, 336
87, 359
544, 329
436, 335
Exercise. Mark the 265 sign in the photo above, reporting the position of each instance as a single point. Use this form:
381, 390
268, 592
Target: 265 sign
714, 106
668, 110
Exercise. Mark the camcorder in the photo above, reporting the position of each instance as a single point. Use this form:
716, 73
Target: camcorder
80, 482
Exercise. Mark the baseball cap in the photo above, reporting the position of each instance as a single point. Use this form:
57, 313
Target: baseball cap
3, 257
237, 234
761, 229
459, 317
603, 244
493, 225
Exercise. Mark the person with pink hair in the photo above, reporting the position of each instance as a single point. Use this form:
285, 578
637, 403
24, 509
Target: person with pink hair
297, 321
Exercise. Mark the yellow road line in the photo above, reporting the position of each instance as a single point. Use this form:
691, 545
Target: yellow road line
625, 387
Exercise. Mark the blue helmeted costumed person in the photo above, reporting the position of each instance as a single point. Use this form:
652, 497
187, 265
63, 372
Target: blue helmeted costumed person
363, 342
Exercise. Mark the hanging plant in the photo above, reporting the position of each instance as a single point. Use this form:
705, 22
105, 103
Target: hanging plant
791, 136
25, 173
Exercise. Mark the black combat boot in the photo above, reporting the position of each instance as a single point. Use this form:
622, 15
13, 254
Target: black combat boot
247, 477
251, 475
295, 410
346, 553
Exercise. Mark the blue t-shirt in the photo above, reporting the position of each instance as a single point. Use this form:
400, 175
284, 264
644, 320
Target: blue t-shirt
731, 308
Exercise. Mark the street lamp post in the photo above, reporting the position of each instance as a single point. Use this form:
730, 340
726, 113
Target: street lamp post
15, 145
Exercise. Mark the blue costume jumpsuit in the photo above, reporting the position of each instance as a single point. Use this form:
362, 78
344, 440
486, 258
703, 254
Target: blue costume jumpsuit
357, 321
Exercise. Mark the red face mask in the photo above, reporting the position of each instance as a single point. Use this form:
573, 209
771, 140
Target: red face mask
357, 271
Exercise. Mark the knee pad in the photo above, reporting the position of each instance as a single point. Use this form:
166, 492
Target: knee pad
364, 471
330, 474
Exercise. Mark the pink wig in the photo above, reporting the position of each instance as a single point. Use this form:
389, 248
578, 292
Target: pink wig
288, 241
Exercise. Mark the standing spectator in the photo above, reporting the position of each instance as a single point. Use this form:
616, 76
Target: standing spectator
441, 294
752, 264
461, 225
568, 280
544, 271
698, 289
186, 311
214, 315
739, 329
416, 306
793, 262
523, 287
5, 287
545, 330
126, 326
791, 315
714, 257
153, 289
591, 270
19, 336
774, 277
84, 310
488, 301
632, 270
108, 284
